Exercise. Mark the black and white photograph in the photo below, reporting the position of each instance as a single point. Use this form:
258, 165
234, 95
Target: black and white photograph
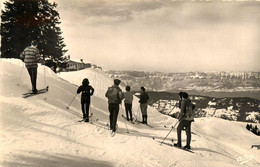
130, 83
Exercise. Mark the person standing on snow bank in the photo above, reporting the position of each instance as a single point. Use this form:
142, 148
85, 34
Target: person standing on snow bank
185, 118
31, 56
87, 91
115, 97
143, 104
128, 103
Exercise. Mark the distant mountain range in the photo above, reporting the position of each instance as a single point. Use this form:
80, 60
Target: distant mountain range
216, 84
229, 95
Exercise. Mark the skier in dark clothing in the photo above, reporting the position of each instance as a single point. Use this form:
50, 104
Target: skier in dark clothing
185, 118
31, 56
143, 104
115, 97
87, 91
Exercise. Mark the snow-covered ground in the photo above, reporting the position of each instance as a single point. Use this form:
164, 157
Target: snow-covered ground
39, 131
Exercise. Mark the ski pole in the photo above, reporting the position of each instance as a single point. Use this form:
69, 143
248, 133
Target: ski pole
44, 74
20, 75
71, 101
170, 131
44, 78
173, 108
91, 114
124, 119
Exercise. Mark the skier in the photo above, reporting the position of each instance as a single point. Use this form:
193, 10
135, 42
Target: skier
143, 104
87, 91
31, 56
115, 97
186, 117
128, 103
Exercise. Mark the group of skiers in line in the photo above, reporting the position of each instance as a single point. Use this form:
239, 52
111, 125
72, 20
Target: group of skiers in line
115, 96
31, 56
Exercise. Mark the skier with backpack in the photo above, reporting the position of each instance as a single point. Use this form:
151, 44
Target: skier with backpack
185, 118
143, 104
115, 97
87, 91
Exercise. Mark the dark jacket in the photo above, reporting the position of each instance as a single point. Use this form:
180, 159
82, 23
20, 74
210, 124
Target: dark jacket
143, 98
87, 91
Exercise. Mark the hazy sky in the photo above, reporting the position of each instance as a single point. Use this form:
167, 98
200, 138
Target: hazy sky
164, 35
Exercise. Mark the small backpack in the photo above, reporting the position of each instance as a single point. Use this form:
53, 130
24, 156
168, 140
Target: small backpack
113, 95
190, 112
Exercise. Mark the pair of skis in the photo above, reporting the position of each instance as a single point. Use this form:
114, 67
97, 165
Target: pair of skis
90, 119
84, 120
172, 145
112, 133
132, 122
41, 91
140, 122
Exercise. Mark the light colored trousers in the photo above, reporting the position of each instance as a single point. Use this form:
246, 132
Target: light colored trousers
144, 108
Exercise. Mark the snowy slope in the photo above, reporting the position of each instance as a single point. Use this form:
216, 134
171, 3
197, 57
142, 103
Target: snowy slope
41, 132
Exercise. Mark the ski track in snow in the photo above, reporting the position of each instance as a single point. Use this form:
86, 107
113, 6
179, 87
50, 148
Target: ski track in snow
39, 132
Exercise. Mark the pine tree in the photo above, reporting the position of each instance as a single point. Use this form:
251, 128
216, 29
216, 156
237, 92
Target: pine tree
26, 20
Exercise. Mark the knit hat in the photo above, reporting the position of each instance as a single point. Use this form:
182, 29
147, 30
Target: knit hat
143, 89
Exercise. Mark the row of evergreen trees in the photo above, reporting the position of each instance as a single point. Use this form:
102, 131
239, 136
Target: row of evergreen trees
25, 20
253, 129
